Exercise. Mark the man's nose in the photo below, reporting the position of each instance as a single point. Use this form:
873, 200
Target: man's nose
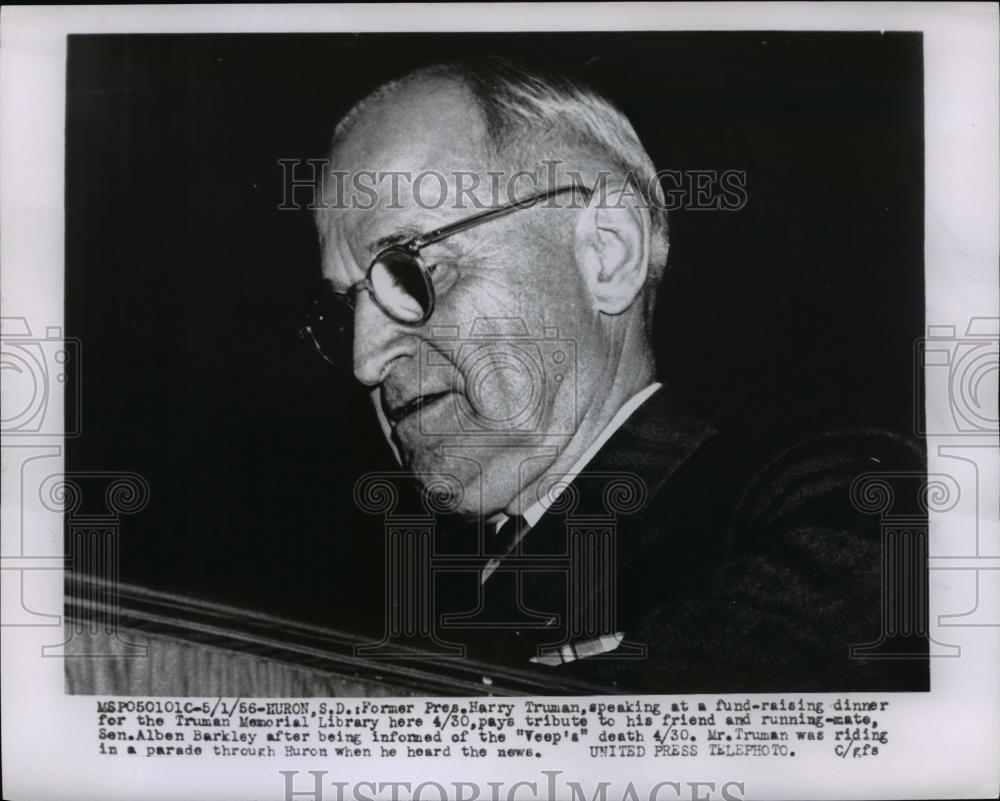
378, 341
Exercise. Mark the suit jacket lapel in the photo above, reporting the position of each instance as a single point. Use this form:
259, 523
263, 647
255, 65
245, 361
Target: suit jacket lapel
641, 457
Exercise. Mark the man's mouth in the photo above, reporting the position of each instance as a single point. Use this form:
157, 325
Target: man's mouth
396, 414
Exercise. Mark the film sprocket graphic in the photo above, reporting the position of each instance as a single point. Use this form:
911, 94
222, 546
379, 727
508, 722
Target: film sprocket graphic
36, 371
499, 352
958, 375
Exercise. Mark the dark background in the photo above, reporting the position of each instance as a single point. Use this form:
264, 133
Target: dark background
186, 284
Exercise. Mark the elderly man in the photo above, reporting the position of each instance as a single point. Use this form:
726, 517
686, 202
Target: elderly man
500, 313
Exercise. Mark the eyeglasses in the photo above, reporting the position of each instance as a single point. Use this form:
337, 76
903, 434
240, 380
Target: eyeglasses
398, 281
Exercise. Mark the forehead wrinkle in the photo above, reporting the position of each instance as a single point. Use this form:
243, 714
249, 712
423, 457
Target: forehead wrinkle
432, 125
427, 125
391, 226
424, 116
397, 226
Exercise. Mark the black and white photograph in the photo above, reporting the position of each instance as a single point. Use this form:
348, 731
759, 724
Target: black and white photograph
598, 363
641, 372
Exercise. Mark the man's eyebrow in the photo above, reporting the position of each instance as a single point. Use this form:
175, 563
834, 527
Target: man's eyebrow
397, 238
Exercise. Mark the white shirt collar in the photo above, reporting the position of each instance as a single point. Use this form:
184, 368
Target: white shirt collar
534, 512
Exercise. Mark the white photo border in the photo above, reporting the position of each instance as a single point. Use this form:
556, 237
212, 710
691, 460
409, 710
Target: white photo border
947, 742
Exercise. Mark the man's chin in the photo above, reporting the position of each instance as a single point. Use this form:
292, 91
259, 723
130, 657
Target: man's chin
452, 485
424, 456
481, 477
447, 469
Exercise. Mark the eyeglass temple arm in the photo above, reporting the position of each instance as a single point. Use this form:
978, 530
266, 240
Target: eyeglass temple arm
490, 214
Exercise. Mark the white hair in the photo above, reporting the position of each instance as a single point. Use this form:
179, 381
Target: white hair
528, 110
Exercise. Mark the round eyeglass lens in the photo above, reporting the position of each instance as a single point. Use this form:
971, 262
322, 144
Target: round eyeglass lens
401, 286
331, 327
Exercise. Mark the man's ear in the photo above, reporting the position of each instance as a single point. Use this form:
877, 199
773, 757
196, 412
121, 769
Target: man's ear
612, 249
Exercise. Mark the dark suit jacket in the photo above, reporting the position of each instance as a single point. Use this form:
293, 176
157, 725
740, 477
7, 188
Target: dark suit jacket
737, 567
